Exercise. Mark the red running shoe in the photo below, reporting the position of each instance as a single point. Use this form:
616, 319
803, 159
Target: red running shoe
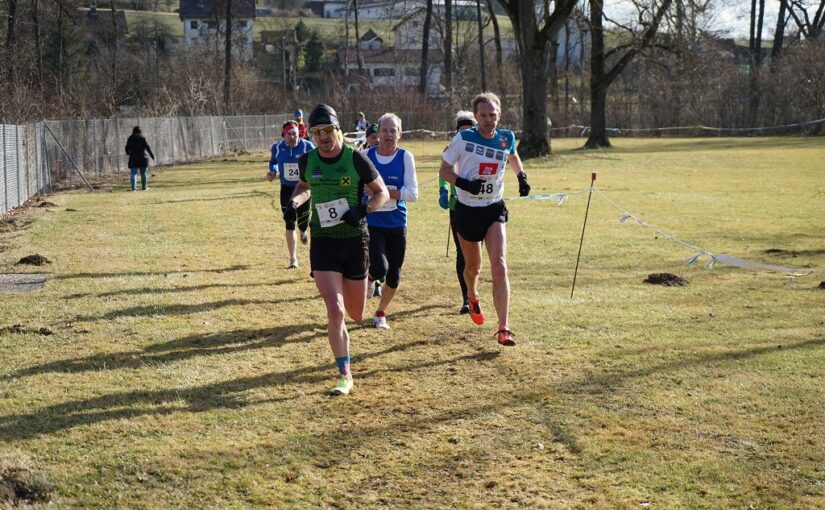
505, 337
475, 311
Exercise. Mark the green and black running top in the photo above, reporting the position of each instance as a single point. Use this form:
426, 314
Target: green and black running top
332, 179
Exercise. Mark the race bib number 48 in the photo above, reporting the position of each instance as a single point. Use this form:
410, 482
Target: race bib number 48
329, 213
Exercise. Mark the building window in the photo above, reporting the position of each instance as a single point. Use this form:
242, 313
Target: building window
383, 71
193, 24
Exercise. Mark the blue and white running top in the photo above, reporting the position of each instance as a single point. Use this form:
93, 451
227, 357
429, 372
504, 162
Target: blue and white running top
476, 157
398, 173
284, 160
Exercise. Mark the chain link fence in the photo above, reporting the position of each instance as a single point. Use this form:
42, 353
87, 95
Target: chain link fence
37, 156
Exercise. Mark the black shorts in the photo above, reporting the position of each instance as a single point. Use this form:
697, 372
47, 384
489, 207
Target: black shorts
472, 223
303, 211
349, 256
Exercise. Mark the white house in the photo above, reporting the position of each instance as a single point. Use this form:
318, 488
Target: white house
395, 66
204, 20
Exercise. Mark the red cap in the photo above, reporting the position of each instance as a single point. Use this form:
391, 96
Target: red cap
593, 176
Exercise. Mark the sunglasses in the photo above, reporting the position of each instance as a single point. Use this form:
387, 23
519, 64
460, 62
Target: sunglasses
327, 130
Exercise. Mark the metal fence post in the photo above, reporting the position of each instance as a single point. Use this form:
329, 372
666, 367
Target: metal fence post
17, 147
5, 173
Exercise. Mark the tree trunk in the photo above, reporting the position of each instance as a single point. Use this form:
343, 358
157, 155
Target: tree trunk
114, 99
448, 49
601, 77
779, 33
38, 43
755, 44
360, 60
425, 50
497, 41
11, 37
481, 60
227, 67
532, 44
598, 89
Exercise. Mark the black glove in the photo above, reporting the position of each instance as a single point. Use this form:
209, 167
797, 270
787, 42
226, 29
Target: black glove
290, 212
354, 215
471, 187
523, 187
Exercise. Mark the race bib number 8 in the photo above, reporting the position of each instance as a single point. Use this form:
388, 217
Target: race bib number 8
291, 172
329, 213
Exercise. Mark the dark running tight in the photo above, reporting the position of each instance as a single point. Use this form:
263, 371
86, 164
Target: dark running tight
459, 259
387, 249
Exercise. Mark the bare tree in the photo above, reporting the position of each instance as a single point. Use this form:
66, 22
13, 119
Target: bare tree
481, 61
534, 29
227, 66
425, 49
496, 40
602, 76
755, 49
811, 25
448, 48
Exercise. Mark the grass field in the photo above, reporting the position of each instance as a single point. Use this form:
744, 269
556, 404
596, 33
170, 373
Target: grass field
171, 361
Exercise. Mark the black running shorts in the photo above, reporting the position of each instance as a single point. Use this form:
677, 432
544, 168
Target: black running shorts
349, 256
472, 223
303, 210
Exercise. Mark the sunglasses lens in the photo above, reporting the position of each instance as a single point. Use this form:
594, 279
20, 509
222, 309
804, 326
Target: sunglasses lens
325, 130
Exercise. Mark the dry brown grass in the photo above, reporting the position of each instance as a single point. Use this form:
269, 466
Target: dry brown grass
187, 367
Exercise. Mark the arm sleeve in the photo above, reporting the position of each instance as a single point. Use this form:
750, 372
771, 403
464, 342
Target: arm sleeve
149, 150
453, 151
273, 161
366, 170
409, 190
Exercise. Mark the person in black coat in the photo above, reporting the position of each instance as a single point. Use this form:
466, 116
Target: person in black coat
136, 148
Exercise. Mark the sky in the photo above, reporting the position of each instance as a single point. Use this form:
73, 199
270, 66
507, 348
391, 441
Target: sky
731, 17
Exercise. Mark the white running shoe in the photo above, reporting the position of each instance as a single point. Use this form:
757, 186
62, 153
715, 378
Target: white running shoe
343, 387
293, 264
380, 322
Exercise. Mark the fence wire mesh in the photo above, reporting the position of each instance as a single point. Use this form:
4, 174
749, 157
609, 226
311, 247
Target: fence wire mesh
35, 156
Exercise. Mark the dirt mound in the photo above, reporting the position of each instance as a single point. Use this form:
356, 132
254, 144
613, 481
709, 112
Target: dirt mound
46, 203
821, 285
21, 485
34, 260
667, 279
20, 329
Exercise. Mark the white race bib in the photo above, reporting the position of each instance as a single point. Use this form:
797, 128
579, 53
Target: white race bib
291, 172
329, 213
392, 204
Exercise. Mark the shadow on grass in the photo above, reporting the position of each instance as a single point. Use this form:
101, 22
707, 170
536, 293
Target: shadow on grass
159, 310
238, 267
233, 196
226, 394
150, 290
181, 349
194, 346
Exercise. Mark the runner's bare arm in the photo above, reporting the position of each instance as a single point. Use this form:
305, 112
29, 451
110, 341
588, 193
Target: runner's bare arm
380, 194
515, 163
446, 172
301, 193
